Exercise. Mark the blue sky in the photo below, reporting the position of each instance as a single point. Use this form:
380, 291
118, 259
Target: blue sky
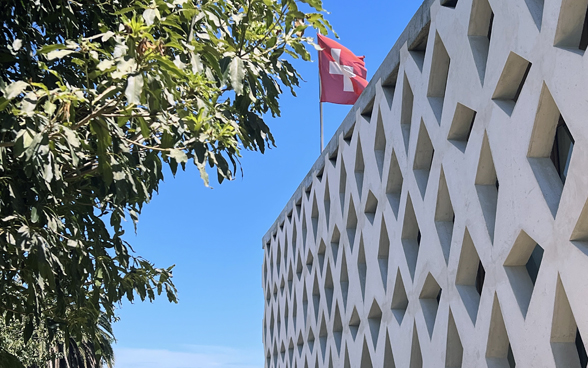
213, 236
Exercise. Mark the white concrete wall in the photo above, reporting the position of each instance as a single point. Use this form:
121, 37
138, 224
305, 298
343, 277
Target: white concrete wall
354, 264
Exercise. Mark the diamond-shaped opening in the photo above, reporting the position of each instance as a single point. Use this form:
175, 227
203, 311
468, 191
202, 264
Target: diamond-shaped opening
347, 137
522, 267
275, 355
278, 257
329, 286
308, 190
298, 206
375, 321
487, 186
305, 303
300, 344
290, 279
371, 206
461, 127
271, 325
316, 298
399, 299
550, 150
416, 355
323, 338
344, 280
418, 48
314, 218
511, 82
299, 267
265, 270
444, 216
406, 111
454, 351
320, 173
361, 267
333, 157
423, 159
291, 351
389, 86
289, 216
536, 10
351, 223
368, 110
567, 345
383, 253
499, 353
310, 340
394, 184
380, 144
337, 329
354, 322
294, 236
294, 311
438, 77
327, 202
359, 168
275, 291
322, 249
278, 324
411, 237
470, 276
366, 359
342, 184
572, 26
335, 242
388, 354
480, 33
268, 359
309, 261
430, 297
304, 231
286, 317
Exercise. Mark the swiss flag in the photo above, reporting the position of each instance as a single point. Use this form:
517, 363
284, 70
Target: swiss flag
342, 74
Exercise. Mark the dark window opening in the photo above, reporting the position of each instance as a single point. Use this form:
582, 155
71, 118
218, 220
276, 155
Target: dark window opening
584, 39
431, 160
534, 263
491, 23
480, 276
449, 3
581, 350
497, 184
561, 152
419, 238
439, 296
516, 96
471, 126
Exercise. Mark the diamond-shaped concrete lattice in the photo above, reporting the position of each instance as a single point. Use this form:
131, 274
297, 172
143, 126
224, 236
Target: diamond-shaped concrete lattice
406, 199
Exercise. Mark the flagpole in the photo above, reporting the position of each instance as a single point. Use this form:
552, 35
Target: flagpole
322, 135
320, 93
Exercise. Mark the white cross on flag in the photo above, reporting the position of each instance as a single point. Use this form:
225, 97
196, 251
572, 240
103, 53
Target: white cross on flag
343, 75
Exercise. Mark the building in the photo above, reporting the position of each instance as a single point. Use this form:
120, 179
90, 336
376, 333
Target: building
446, 223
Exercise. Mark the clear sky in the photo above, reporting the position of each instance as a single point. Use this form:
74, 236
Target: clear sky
213, 236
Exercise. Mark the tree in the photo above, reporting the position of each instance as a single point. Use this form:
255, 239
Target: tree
97, 97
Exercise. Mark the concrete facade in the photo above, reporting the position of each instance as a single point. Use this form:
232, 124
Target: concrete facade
446, 223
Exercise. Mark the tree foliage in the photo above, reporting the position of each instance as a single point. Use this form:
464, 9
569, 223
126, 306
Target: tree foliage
97, 97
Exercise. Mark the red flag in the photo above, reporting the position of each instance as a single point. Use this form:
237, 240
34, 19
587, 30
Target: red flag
342, 74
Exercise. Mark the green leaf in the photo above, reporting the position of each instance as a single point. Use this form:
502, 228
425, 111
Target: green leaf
15, 89
134, 89
236, 75
58, 54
